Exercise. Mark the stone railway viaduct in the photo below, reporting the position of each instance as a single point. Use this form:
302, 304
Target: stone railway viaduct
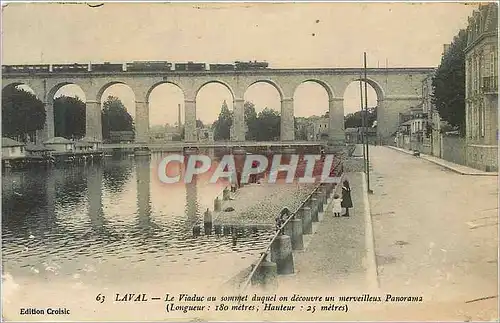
397, 90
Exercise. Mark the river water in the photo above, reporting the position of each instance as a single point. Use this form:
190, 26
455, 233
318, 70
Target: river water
111, 225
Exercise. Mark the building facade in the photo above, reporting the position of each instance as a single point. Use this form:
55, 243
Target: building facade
432, 124
12, 148
312, 128
412, 131
320, 128
60, 145
481, 82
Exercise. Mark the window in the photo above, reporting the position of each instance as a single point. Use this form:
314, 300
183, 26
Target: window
482, 119
477, 125
469, 76
468, 116
474, 75
13, 150
478, 72
493, 65
473, 122
480, 66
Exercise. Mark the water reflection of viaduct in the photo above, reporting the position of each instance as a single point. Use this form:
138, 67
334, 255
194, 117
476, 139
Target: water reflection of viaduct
143, 199
397, 90
143, 196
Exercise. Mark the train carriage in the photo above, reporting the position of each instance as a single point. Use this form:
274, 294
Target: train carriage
190, 66
222, 67
39, 68
106, 67
138, 66
25, 68
251, 65
70, 68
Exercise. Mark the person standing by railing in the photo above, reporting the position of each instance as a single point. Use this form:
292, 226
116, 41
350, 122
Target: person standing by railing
337, 205
346, 197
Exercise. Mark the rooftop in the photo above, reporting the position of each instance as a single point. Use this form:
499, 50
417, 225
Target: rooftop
91, 140
7, 142
58, 140
83, 144
33, 147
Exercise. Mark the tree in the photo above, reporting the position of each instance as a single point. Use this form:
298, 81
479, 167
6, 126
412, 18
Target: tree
199, 124
69, 117
22, 113
115, 117
261, 127
222, 126
353, 120
449, 84
269, 125
251, 121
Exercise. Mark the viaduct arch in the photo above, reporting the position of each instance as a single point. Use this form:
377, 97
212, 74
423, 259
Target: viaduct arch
397, 90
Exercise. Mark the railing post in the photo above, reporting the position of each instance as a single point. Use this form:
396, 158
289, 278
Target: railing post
265, 274
297, 237
288, 230
314, 209
217, 205
196, 230
324, 199
320, 199
306, 220
207, 222
281, 254
225, 194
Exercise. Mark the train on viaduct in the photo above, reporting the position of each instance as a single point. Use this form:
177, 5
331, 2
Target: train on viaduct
137, 66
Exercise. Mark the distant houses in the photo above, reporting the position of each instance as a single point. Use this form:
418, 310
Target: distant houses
313, 128
12, 149
15, 153
38, 150
60, 144
95, 144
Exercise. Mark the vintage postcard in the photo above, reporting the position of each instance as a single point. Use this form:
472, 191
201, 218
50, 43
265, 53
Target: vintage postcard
305, 161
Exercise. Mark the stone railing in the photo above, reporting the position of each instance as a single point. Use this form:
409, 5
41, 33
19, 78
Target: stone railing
277, 258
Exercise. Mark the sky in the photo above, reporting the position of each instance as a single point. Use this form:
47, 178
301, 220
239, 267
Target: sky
287, 35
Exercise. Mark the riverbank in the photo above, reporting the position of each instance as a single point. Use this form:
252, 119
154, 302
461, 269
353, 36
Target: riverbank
28, 161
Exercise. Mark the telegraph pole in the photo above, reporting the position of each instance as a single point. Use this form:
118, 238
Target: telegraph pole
362, 122
366, 131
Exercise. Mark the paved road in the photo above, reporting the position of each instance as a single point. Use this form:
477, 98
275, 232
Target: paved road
436, 232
